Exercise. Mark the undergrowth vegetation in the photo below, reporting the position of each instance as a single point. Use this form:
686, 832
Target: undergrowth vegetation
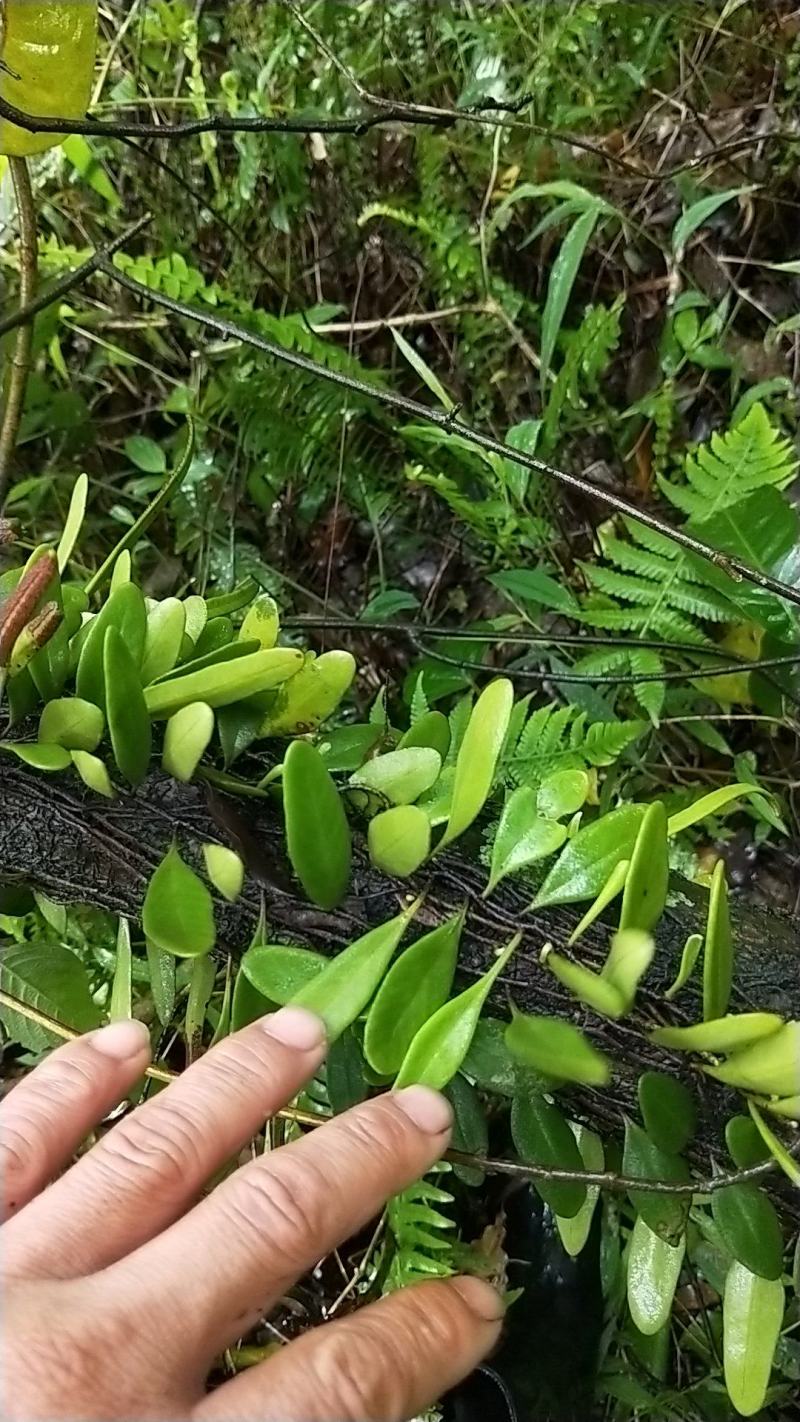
570, 228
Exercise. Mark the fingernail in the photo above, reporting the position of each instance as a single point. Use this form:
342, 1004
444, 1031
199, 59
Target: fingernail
480, 1298
427, 1109
122, 1040
295, 1027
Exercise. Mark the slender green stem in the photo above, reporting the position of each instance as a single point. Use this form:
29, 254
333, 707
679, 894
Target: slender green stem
20, 358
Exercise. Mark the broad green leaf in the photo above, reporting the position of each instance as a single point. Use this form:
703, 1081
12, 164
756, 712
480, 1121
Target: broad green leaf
317, 831
422, 369
562, 793
744, 1141
438, 1049
432, 730
584, 866
128, 721
346, 747
71, 722
124, 610
523, 836
401, 776
689, 957
718, 955
589, 987
261, 622
416, 985
478, 756
769, 1067
186, 739
653, 1271
121, 573
574, 1232
488, 1061
93, 773
470, 1127
178, 913
698, 214
161, 966
668, 1110
556, 1049
196, 612
750, 1228
38, 757
202, 974
562, 279
166, 624
776, 1148
53, 913
145, 454
344, 1073
120, 1005
225, 870
722, 1034
647, 880
310, 696
542, 1136
278, 971
752, 1315
347, 983
399, 840
613, 886
73, 521
710, 804
629, 957
223, 682
51, 979
248, 1003
642, 1159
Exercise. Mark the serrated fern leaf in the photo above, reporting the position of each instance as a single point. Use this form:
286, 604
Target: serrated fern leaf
730, 466
558, 738
422, 1237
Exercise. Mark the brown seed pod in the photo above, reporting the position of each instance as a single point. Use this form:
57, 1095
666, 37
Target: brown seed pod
21, 604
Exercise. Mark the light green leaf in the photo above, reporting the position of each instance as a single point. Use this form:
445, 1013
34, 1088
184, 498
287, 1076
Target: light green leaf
629, 957
478, 756
73, 521
668, 1110
261, 622
166, 624
317, 831
225, 870
718, 955
707, 805
178, 913
145, 454
574, 1231
689, 957
122, 571
161, 966
120, 1006
431, 729
223, 682
556, 1049
698, 214
346, 984
614, 883
562, 279
51, 979
438, 1049
126, 712
589, 987
523, 836
562, 793
93, 773
38, 757
647, 880
309, 697
776, 1148
653, 1271
752, 1315
68, 721
721, 1034
399, 840
583, 868
186, 738
278, 971
415, 987
202, 974
401, 775
196, 612
422, 369
769, 1067
124, 610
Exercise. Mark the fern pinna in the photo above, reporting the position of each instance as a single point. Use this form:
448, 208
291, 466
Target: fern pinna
561, 738
422, 1235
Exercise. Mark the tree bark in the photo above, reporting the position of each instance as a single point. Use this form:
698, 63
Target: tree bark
78, 849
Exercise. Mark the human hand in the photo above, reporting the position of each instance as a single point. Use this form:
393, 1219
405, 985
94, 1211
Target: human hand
119, 1289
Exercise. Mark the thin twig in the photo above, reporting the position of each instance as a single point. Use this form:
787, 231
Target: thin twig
450, 424
20, 359
604, 1179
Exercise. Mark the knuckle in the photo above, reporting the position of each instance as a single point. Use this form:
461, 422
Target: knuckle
23, 1160
382, 1134
280, 1206
347, 1368
163, 1144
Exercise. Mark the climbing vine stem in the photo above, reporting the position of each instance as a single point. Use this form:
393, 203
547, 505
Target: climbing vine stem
20, 358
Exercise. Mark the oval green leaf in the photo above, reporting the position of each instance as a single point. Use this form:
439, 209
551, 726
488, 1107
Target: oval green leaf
309, 697
278, 971
124, 610
750, 1228
562, 793
128, 721
401, 776
744, 1142
584, 867
557, 1049
432, 729
721, 1034
542, 1137
438, 1049
178, 912
642, 1159
647, 879
718, 955
478, 755
668, 1110
416, 985
399, 840
261, 622
186, 738
653, 1271
522, 837
346, 984
752, 1315
93, 773
38, 757
166, 625
317, 831
225, 870
73, 723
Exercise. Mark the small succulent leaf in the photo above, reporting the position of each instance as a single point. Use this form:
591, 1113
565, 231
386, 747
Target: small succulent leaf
178, 913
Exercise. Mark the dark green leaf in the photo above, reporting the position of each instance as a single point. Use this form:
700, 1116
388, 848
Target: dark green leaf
128, 719
344, 1073
51, 979
668, 1110
317, 831
542, 1137
750, 1228
665, 1214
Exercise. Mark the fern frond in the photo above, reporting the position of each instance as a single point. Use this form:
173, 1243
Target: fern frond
422, 1236
558, 738
730, 466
